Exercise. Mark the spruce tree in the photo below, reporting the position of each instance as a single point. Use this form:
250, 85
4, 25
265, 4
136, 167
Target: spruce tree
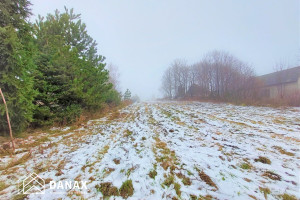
71, 75
16, 64
127, 95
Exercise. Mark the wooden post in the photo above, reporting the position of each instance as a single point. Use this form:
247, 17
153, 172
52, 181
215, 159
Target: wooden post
8, 121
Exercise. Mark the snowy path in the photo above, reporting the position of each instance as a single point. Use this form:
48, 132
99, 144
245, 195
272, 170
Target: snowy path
172, 150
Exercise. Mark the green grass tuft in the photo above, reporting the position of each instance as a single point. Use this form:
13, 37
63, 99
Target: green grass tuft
245, 166
126, 190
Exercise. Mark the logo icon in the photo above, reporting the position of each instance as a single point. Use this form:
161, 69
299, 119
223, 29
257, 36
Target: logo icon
32, 184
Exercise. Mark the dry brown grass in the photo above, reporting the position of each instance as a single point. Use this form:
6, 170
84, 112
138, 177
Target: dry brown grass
85, 117
166, 158
3, 186
279, 120
116, 161
75, 194
247, 179
206, 197
152, 173
272, 175
107, 189
115, 115
126, 190
206, 179
102, 152
168, 164
160, 144
262, 159
185, 180
282, 151
100, 155
177, 189
180, 123
107, 109
169, 180
42, 166
16, 162
251, 196
107, 171
265, 191
127, 133
286, 196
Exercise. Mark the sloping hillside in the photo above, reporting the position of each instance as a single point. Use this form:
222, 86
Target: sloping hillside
167, 150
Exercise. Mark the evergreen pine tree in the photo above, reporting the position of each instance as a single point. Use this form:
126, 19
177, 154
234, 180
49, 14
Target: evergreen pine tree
71, 75
16, 64
127, 95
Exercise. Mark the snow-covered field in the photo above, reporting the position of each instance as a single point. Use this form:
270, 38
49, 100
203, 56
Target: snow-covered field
170, 150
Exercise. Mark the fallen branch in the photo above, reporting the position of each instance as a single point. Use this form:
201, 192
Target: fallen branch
8, 121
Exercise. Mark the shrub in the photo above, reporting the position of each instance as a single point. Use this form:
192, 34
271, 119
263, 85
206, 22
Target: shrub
69, 114
113, 97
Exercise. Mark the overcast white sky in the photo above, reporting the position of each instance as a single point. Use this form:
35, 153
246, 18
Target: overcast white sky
143, 37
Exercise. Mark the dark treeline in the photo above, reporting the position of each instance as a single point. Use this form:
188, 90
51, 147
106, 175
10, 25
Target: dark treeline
50, 71
218, 76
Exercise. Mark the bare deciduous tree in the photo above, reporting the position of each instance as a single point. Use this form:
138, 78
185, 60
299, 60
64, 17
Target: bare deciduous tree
168, 84
114, 76
218, 75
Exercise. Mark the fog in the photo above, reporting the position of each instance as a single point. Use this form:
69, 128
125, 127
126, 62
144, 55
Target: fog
143, 37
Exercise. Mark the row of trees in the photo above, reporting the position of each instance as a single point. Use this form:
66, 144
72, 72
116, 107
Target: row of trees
50, 71
218, 75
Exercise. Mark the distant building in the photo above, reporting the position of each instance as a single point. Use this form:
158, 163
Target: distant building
280, 84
